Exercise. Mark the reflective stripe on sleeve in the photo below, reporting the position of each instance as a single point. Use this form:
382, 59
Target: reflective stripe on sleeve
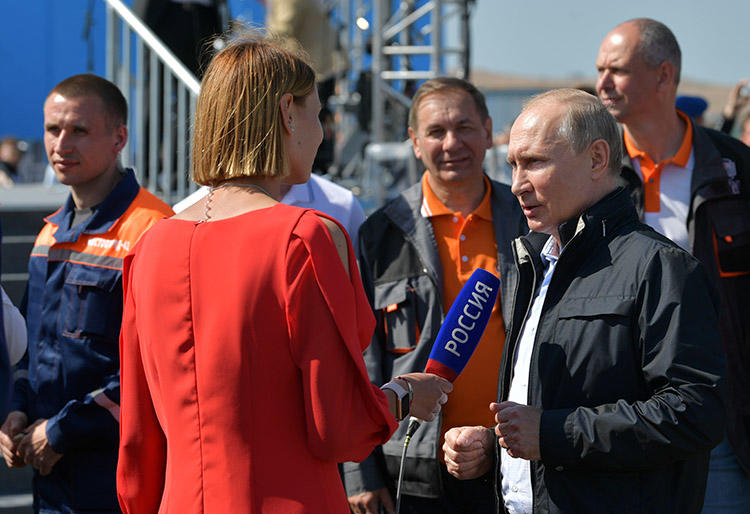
103, 400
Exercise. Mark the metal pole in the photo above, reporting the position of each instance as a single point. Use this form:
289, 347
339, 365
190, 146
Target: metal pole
140, 109
181, 140
153, 121
436, 38
125, 88
378, 107
167, 153
110, 45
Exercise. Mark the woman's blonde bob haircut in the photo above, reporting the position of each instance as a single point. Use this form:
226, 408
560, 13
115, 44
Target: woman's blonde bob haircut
238, 123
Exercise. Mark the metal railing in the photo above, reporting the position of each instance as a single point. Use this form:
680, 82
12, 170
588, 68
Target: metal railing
161, 93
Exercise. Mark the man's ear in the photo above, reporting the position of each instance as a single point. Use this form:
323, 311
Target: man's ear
121, 138
285, 106
599, 153
665, 75
488, 132
413, 137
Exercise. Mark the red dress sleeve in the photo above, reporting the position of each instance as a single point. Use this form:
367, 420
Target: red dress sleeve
330, 324
140, 481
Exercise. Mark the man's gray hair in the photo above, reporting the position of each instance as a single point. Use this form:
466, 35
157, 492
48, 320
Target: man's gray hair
585, 121
657, 45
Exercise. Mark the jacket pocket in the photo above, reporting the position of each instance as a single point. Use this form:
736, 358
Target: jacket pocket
397, 302
592, 342
94, 302
595, 307
732, 237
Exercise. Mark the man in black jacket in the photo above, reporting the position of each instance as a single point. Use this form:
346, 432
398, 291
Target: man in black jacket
691, 184
609, 389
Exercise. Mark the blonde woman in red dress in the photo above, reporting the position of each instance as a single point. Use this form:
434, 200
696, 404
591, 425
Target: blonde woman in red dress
244, 321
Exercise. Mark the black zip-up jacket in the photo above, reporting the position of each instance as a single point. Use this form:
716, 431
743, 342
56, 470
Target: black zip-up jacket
400, 266
718, 227
626, 367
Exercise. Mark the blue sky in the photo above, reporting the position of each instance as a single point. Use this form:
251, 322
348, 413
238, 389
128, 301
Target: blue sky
549, 38
41, 43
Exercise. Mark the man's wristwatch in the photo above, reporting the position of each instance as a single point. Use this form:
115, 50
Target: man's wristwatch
402, 405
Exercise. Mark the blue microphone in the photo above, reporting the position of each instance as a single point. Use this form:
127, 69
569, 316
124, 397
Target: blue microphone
462, 329
463, 326
456, 341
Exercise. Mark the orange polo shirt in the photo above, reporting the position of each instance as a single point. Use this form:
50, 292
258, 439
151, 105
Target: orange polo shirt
465, 244
652, 171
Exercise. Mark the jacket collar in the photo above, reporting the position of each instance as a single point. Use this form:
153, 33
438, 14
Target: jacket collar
105, 214
404, 212
603, 219
707, 160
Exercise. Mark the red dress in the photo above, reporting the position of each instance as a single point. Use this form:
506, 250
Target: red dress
243, 382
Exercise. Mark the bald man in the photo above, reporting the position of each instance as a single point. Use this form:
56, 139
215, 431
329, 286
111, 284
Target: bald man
691, 184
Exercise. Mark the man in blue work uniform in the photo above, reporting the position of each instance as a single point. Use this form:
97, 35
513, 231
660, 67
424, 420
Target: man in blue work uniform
65, 407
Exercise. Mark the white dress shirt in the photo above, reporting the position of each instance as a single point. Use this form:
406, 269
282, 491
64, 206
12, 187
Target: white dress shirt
14, 329
516, 484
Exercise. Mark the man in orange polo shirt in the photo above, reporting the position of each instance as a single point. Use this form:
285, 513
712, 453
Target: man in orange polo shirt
692, 184
416, 253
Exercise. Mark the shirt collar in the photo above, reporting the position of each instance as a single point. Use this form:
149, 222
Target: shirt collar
299, 193
550, 252
432, 206
682, 156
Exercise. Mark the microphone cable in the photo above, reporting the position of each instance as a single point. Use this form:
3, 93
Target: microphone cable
413, 426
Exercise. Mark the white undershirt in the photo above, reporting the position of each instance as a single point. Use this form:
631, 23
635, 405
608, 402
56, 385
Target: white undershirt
14, 329
516, 485
674, 200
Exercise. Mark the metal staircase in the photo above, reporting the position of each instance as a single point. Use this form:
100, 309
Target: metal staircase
393, 42
161, 93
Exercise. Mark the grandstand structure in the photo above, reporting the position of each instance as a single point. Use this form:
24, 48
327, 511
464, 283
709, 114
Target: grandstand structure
386, 48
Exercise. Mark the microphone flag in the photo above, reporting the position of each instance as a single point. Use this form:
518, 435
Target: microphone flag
464, 325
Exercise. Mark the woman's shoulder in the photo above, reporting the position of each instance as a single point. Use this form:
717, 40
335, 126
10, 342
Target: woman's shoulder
320, 230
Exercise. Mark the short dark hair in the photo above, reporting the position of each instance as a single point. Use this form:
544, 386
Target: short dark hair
88, 84
443, 85
657, 44
585, 121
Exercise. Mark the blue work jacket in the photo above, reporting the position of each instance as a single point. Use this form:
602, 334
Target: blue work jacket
73, 310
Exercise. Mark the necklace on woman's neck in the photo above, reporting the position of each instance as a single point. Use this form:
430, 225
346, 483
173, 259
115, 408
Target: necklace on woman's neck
242, 184
207, 207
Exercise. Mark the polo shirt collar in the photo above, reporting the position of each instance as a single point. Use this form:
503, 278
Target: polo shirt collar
550, 252
432, 206
682, 156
